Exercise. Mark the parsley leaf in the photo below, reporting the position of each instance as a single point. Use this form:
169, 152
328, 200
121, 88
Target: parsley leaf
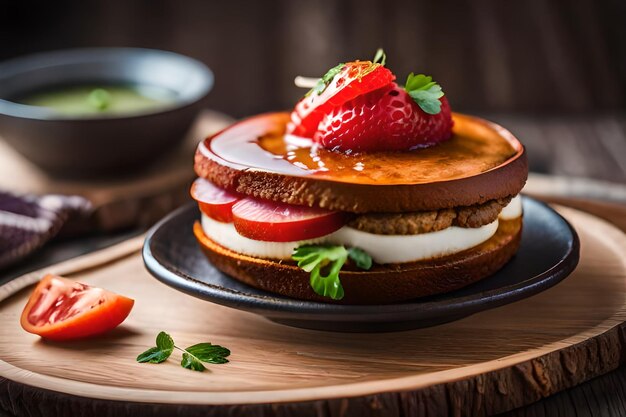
425, 92
360, 258
312, 258
326, 79
160, 353
192, 358
380, 57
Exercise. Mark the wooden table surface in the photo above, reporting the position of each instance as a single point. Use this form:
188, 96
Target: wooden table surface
586, 147
575, 148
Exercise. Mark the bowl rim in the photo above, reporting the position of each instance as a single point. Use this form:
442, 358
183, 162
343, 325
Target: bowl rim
80, 55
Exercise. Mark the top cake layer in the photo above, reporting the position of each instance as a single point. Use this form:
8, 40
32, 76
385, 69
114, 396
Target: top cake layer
482, 161
475, 147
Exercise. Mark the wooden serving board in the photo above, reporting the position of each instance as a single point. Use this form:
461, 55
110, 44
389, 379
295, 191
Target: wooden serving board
136, 199
487, 363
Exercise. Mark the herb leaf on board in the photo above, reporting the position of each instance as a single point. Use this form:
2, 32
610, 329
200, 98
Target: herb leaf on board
192, 358
163, 349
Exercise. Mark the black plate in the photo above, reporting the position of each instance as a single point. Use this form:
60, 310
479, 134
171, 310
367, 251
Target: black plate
548, 253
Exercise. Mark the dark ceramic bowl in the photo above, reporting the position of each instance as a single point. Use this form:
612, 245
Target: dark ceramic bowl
76, 146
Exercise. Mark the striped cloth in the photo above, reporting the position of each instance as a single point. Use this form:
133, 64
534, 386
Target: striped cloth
27, 222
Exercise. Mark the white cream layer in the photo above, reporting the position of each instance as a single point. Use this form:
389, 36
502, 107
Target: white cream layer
382, 248
225, 234
513, 210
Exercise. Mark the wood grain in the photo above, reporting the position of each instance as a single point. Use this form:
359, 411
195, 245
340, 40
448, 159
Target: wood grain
136, 200
491, 362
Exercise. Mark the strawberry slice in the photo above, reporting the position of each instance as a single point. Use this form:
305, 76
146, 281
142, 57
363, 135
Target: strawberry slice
213, 201
338, 86
276, 222
390, 119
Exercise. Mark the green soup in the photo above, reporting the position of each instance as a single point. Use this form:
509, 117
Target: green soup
91, 100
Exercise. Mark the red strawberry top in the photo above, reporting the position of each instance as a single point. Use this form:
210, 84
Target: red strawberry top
357, 107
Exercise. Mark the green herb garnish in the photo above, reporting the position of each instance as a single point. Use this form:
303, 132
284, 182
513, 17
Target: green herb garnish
360, 257
160, 353
425, 92
326, 79
193, 356
99, 98
312, 258
380, 57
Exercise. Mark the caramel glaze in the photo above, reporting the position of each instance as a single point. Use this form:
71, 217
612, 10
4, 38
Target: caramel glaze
471, 150
482, 161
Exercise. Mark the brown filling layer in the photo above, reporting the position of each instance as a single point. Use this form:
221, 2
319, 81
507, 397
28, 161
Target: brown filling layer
430, 221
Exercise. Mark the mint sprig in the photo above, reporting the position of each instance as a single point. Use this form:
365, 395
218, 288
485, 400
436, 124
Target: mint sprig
203, 352
191, 362
209, 353
193, 356
425, 92
313, 258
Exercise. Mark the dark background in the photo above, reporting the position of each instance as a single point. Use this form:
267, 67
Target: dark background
554, 72
535, 57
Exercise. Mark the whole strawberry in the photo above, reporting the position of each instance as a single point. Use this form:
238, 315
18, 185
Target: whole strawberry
391, 118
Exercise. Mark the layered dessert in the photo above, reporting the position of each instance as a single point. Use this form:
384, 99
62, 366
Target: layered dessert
367, 192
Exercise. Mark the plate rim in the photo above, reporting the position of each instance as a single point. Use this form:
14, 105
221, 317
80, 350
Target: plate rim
278, 307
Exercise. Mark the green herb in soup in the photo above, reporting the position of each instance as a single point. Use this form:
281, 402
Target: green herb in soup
105, 100
99, 99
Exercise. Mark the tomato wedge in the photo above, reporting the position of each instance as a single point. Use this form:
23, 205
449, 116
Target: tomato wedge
275, 222
354, 79
61, 309
215, 202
